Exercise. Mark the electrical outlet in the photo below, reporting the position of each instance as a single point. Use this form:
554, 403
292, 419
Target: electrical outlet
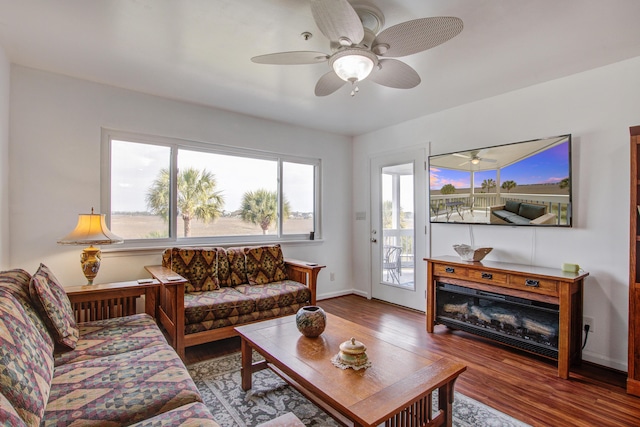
588, 321
332, 276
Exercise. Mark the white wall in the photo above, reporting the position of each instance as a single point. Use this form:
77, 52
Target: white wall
55, 156
5, 90
54, 153
597, 108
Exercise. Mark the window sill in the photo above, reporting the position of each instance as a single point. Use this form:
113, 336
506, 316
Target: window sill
155, 249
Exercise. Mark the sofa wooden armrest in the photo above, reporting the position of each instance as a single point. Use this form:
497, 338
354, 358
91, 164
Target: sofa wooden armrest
548, 218
170, 310
494, 219
304, 272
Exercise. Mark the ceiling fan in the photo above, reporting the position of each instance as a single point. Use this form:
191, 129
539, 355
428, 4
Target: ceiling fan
359, 51
473, 158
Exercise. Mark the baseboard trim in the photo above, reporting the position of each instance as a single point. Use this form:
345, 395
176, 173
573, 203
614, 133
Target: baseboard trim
400, 306
342, 294
604, 362
605, 367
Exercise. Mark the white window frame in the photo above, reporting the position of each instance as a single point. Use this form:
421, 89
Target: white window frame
176, 144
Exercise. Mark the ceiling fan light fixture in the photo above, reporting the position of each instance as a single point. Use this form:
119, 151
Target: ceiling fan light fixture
355, 40
353, 65
475, 161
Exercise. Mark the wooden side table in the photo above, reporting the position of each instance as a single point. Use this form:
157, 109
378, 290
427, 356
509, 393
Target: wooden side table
109, 300
170, 304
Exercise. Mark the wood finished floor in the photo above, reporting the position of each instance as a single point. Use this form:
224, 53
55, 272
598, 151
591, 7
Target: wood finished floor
517, 383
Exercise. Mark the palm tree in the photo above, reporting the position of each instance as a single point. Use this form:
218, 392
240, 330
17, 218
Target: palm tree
488, 184
260, 207
508, 185
197, 196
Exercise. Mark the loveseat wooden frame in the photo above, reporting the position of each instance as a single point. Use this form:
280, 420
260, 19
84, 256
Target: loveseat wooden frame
170, 309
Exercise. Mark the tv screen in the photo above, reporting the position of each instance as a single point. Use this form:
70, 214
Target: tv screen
524, 183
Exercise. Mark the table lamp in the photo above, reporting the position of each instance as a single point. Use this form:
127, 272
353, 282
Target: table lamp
90, 230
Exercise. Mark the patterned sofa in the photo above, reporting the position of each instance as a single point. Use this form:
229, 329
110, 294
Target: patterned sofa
114, 372
229, 287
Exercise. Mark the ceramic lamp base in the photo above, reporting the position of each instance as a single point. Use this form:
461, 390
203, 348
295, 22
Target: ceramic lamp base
90, 262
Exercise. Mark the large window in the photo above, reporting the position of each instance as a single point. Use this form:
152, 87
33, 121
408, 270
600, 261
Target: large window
160, 189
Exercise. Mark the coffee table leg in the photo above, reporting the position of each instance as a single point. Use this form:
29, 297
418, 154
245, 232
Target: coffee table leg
245, 371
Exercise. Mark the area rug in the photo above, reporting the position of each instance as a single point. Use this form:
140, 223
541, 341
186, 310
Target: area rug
219, 383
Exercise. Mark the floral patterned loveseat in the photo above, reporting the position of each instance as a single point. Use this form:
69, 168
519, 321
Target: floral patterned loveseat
115, 372
229, 287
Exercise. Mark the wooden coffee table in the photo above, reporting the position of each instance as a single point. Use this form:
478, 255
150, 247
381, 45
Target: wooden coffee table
395, 390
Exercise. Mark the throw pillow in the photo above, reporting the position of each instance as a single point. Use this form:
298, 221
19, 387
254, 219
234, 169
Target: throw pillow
237, 266
17, 283
265, 264
512, 206
224, 270
531, 211
54, 306
197, 265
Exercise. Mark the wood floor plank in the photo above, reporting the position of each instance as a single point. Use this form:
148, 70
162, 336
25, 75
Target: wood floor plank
517, 383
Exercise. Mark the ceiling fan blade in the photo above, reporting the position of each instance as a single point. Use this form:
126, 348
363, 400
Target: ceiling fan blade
482, 159
328, 84
460, 155
464, 163
395, 74
417, 35
338, 21
291, 58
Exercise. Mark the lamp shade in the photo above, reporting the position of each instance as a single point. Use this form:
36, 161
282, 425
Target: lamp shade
91, 230
353, 65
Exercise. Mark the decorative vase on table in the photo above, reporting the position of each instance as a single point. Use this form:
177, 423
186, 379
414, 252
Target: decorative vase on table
311, 321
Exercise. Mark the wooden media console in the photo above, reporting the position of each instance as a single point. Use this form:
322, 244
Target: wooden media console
532, 308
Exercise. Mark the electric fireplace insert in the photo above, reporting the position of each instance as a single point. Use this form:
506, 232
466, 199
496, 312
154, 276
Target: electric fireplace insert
523, 323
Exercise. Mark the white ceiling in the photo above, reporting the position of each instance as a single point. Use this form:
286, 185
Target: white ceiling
496, 157
199, 51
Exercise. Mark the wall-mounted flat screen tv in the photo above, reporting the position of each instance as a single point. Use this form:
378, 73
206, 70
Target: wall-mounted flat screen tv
525, 183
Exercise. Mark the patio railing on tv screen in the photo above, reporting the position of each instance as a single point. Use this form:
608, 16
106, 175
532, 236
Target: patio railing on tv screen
556, 203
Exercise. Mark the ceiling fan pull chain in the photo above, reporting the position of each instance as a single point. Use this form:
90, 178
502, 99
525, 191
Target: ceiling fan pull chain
355, 89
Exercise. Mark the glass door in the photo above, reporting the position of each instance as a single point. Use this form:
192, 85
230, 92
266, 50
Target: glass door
398, 229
